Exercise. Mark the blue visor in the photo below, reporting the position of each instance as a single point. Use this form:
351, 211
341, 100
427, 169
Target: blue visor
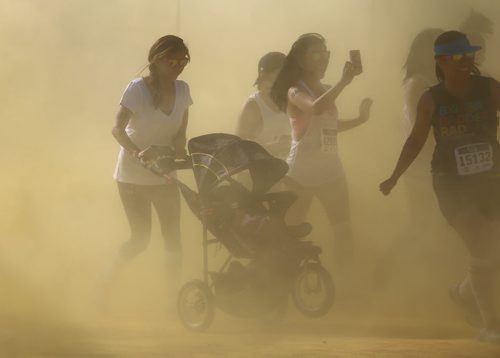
455, 48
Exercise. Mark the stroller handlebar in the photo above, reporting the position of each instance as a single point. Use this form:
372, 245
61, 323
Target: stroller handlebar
183, 163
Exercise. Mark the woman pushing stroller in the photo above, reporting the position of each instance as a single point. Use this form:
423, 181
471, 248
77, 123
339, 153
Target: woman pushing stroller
153, 114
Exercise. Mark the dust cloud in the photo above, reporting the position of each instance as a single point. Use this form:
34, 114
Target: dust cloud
64, 65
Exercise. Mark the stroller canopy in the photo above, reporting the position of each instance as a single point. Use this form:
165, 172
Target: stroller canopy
218, 156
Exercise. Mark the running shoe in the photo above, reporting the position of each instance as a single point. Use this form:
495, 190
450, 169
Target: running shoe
490, 334
469, 308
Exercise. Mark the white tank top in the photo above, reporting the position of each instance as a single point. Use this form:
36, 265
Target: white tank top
314, 159
274, 123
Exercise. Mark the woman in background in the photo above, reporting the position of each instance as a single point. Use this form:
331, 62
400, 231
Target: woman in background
261, 120
477, 27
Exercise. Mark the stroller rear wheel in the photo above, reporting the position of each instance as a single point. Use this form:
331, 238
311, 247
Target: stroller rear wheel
195, 305
313, 290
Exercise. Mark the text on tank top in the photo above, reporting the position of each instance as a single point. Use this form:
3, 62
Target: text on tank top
465, 130
327, 124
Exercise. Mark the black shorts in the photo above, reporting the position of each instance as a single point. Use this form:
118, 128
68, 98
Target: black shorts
458, 194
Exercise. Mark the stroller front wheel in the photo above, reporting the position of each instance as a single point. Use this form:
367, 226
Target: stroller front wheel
195, 305
313, 290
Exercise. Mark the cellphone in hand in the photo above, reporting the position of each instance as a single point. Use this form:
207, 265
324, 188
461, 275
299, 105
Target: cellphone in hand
355, 57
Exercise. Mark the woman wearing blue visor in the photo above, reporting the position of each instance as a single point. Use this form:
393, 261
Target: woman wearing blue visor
462, 112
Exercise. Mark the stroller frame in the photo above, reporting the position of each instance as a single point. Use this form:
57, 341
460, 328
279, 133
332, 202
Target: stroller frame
215, 158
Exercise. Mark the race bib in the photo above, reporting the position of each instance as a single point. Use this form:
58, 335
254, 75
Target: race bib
328, 140
474, 158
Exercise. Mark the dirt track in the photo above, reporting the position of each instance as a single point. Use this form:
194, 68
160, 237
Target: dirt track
229, 337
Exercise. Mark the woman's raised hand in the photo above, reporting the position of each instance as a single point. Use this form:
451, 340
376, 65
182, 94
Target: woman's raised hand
349, 72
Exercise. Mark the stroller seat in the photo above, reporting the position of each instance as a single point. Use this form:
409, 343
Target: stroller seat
300, 230
279, 203
250, 221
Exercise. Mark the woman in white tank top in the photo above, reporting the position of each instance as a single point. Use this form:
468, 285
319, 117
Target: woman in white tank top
260, 119
315, 166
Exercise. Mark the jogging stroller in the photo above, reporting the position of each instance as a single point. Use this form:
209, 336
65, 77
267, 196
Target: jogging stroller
267, 260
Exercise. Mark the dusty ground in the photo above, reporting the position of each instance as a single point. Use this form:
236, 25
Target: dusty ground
231, 337
33, 324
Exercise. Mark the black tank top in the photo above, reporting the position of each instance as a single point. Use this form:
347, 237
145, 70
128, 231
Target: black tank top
465, 131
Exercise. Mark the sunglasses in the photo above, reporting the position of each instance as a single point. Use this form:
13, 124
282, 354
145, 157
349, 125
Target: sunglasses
175, 63
318, 55
460, 56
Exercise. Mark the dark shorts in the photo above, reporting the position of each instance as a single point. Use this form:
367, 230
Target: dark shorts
459, 194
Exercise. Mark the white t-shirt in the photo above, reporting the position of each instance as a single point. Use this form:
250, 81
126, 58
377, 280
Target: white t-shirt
148, 126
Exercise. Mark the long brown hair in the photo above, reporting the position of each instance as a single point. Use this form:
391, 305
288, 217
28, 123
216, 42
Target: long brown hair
292, 71
164, 45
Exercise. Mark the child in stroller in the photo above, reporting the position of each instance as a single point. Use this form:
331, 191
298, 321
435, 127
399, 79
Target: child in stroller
267, 259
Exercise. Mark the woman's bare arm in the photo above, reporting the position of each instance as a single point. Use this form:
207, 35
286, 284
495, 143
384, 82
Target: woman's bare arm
414, 89
118, 131
306, 103
414, 143
179, 141
364, 115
